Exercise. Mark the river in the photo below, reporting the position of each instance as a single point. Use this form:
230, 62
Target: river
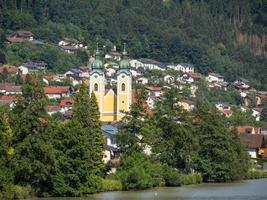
245, 190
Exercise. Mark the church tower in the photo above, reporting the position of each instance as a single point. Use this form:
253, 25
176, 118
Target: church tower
97, 80
124, 86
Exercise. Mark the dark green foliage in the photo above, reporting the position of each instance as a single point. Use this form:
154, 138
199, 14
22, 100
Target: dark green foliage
86, 112
204, 33
32, 140
264, 113
220, 155
73, 166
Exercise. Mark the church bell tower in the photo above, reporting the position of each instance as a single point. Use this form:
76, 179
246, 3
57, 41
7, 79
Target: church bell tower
124, 86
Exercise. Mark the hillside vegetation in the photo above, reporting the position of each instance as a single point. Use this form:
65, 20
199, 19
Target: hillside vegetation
227, 37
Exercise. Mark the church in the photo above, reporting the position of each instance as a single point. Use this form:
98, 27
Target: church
112, 102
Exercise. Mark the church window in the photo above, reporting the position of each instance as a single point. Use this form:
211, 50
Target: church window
96, 87
123, 87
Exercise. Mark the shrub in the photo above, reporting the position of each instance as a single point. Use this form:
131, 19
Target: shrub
111, 185
16, 192
135, 178
171, 176
191, 179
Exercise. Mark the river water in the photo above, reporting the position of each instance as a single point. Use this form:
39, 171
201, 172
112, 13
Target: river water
245, 190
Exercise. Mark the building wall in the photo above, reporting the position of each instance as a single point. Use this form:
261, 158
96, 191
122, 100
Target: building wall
123, 97
109, 107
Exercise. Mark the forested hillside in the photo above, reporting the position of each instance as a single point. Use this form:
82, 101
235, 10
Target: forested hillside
228, 37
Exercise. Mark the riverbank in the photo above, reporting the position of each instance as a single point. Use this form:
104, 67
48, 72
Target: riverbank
248, 189
110, 185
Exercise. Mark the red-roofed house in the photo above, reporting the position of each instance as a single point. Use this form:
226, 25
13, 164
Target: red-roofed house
153, 91
248, 129
253, 143
213, 77
20, 36
52, 109
9, 69
8, 100
57, 92
66, 105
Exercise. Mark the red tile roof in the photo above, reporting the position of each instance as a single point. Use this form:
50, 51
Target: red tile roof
195, 75
56, 90
247, 129
52, 108
216, 75
252, 141
153, 88
66, 102
10, 69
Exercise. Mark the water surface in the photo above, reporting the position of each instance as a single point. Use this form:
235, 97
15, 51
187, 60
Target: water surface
245, 190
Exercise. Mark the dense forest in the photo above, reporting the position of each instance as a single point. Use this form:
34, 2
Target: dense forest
227, 37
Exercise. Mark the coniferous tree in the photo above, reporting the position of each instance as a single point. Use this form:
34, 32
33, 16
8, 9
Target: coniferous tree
218, 154
72, 177
6, 152
86, 112
34, 158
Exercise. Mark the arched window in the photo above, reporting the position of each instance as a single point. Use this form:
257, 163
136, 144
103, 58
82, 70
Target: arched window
95, 87
123, 87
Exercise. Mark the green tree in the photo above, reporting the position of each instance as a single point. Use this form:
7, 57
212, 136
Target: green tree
32, 139
218, 154
72, 177
6, 152
86, 112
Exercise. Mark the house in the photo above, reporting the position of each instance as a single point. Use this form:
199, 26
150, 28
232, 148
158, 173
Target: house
69, 49
52, 109
214, 77
111, 149
223, 106
9, 69
135, 64
70, 45
190, 77
135, 73
8, 100
187, 105
66, 105
57, 92
113, 54
20, 36
169, 79
154, 91
10, 89
253, 143
32, 66
248, 129
264, 129
260, 97
149, 64
110, 71
241, 84
142, 80
184, 67
256, 112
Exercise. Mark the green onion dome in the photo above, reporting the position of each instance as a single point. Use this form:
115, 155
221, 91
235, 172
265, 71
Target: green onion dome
124, 64
97, 64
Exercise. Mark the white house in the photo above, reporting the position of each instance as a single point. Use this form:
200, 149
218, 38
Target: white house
214, 77
168, 79
142, 80
256, 112
110, 71
154, 91
56, 92
135, 64
24, 70
135, 73
184, 67
111, 149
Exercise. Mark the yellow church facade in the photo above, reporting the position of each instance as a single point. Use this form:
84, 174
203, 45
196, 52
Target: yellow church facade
112, 103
